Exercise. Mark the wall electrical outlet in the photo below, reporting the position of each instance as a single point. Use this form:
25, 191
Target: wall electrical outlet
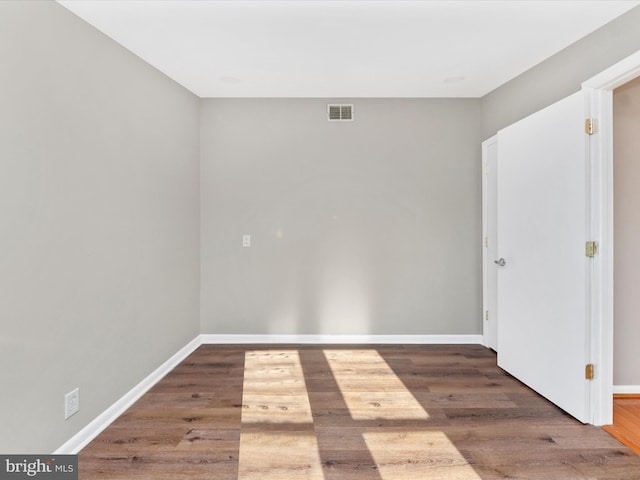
71, 403
246, 240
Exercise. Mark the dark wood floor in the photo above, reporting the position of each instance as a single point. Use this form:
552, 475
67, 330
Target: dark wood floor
353, 412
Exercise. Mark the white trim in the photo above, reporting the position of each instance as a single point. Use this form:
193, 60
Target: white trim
102, 421
340, 339
627, 389
485, 252
485, 297
600, 106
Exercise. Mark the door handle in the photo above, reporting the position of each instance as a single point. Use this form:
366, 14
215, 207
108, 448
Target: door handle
502, 262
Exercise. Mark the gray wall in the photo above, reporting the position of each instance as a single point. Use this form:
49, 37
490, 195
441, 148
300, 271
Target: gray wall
626, 172
364, 227
99, 239
561, 74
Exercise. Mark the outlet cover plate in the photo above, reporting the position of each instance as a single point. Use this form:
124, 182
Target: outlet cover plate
71, 403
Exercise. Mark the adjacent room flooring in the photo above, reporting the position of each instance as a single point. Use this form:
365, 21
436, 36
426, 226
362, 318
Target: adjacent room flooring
626, 421
349, 412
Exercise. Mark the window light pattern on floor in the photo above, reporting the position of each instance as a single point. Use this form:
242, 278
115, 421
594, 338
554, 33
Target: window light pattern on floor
370, 388
277, 439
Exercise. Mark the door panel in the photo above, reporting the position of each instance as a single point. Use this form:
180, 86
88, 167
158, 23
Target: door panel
542, 228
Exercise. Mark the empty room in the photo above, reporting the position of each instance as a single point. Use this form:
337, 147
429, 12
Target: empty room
319, 239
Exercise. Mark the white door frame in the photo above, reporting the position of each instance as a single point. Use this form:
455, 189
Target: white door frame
487, 262
599, 106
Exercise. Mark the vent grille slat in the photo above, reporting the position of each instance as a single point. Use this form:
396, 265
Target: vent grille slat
340, 112
334, 112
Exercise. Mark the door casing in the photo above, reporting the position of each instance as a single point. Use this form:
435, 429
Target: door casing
489, 242
599, 105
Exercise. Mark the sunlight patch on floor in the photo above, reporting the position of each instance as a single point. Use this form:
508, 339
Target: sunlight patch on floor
410, 455
279, 455
274, 390
370, 387
277, 439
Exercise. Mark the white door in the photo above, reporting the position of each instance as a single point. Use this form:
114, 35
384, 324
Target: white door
490, 241
542, 229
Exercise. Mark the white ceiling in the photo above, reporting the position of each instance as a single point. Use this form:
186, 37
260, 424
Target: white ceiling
345, 48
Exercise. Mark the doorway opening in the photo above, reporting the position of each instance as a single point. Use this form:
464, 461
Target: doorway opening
626, 263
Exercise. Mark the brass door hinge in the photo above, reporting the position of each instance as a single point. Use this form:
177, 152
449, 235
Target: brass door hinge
486, 314
590, 126
590, 249
589, 371
486, 242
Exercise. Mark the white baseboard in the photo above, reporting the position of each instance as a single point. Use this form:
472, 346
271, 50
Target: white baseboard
627, 389
102, 421
341, 339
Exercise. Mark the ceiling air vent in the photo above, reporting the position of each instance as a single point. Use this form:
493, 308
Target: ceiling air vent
340, 112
